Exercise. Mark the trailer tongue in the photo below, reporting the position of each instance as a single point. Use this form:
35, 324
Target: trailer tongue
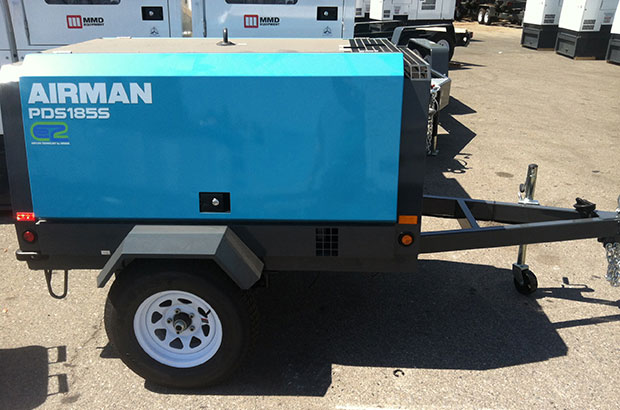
188, 169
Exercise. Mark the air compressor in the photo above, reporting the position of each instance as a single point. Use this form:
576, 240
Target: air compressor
189, 169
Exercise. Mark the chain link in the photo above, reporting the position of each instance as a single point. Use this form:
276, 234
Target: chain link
613, 259
433, 106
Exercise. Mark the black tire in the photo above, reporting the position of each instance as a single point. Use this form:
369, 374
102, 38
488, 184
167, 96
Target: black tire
530, 283
487, 19
446, 39
481, 12
235, 310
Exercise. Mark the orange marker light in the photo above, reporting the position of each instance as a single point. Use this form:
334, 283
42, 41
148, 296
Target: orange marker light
25, 216
406, 239
408, 219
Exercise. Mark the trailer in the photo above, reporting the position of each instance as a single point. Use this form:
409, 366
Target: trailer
486, 12
431, 20
613, 49
188, 169
540, 24
585, 28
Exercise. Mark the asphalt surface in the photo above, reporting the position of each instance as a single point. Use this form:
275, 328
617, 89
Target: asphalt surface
454, 335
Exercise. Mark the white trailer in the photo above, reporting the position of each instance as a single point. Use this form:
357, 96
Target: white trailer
540, 24
585, 27
613, 50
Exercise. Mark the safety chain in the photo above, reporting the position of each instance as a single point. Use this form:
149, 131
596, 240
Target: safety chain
432, 111
613, 259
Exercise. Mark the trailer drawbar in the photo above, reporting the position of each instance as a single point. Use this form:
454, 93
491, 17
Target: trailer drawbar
187, 169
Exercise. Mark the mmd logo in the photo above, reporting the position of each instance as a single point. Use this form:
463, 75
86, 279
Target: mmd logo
250, 21
253, 21
74, 22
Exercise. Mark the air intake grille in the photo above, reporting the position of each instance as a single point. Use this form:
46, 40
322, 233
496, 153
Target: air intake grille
326, 241
415, 66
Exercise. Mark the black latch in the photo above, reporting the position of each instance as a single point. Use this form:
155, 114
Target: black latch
585, 208
327, 13
152, 13
214, 201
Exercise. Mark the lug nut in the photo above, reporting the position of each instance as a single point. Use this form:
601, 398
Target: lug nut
192, 328
177, 311
169, 321
191, 315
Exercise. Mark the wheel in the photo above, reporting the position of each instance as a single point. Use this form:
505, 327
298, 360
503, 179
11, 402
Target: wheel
481, 13
445, 40
182, 327
487, 20
530, 283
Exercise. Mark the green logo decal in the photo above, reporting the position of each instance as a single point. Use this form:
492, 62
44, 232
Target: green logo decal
50, 131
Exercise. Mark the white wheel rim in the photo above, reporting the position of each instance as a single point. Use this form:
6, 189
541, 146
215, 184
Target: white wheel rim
486, 17
154, 327
480, 15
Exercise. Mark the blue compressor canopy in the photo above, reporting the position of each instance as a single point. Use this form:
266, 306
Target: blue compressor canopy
268, 130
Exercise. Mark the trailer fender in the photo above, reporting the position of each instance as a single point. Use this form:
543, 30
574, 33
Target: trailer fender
218, 243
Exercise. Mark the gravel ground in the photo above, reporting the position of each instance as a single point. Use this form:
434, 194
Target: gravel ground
454, 335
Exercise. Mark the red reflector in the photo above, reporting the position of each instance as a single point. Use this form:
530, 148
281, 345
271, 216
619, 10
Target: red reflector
29, 236
25, 216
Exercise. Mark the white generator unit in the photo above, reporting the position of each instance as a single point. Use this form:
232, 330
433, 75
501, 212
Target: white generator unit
31, 26
585, 27
7, 43
362, 9
419, 10
277, 18
613, 50
41, 24
540, 24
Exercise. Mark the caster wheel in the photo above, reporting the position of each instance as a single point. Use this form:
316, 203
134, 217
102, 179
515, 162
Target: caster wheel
530, 283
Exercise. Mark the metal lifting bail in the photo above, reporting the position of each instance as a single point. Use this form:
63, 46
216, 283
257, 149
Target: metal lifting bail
526, 197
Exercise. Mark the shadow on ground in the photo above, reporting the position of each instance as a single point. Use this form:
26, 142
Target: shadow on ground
460, 65
451, 158
25, 379
447, 316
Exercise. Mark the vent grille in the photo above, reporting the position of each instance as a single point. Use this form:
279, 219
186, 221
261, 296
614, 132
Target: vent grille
326, 241
429, 4
588, 24
415, 66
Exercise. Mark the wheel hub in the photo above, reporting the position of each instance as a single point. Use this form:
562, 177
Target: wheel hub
181, 321
177, 328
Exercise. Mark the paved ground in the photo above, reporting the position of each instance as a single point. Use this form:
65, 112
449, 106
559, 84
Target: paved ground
454, 335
